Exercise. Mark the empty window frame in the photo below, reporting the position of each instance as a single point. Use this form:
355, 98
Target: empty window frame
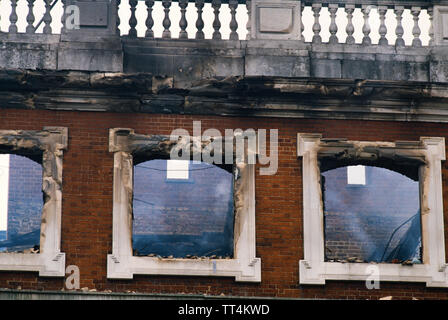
377, 223
421, 162
131, 151
21, 203
31, 206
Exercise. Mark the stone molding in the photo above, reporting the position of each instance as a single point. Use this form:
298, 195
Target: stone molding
314, 269
121, 264
275, 20
316, 98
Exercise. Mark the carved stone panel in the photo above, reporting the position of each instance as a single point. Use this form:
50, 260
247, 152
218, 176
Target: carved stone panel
441, 25
275, 20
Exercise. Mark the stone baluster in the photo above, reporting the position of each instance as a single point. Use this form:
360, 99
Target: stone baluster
216, 4
30, 18
302, 26
416, 42
350, 29
382, 29
63, 16
399, 42
13, 17
47, 18
199, 22
183, 24
316, 7
366, 27
133, 19
333, 8
166, 34
118, 17
149, 20
233, 4
249, 19
431, 27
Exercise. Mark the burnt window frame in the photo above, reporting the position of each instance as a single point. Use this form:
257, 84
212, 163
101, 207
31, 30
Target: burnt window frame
428, 153
45, 147
368, 168
129, 147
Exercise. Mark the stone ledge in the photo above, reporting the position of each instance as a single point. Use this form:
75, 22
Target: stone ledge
10, 294
251, 96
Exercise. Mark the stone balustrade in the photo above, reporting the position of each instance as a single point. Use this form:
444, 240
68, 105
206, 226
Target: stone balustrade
399, 40
364, 22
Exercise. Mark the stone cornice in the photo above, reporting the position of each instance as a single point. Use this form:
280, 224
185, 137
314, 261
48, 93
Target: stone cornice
252, 96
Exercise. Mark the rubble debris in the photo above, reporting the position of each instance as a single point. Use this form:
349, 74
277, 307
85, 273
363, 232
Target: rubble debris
407, 263
188, 256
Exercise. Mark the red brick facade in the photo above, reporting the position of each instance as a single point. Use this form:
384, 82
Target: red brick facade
87, 204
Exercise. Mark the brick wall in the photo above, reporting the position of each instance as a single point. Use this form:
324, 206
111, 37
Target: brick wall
87, 204
183, 217
360, 219
25, 199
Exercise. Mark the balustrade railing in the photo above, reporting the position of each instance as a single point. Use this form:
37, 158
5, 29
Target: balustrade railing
381, 22
30, 16
184, 19
369, 22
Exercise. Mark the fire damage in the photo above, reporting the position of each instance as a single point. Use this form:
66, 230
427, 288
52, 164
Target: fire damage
378, 221
193, 219
35, 180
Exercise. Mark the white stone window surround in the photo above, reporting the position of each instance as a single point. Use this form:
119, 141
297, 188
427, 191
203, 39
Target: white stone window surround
313, 268
48, 143
122, 264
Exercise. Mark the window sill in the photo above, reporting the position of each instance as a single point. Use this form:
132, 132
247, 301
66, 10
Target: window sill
48, 265
359, 271
126, 266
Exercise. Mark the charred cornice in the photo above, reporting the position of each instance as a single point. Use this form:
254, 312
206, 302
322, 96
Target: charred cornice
253, 96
